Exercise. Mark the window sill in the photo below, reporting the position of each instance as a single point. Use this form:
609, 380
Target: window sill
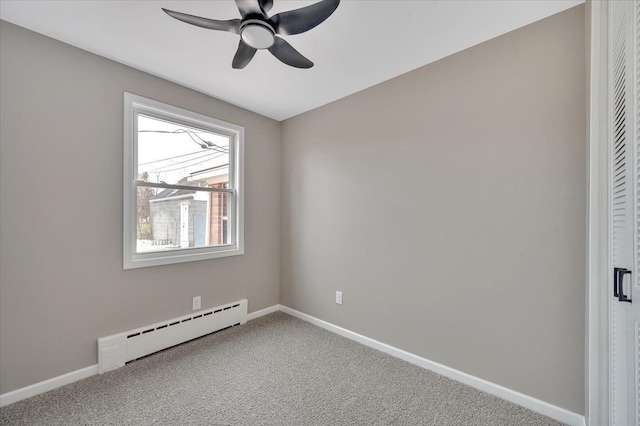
179, 256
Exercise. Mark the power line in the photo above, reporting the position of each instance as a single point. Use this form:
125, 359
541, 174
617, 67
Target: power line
169, 158
207, 143
208, 154
184, 167
206, 157
204, 144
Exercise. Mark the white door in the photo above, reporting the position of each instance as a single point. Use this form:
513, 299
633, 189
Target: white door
634, 279
624, 103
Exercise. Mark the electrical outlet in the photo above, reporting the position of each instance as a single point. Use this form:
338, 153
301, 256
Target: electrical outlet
339, 297
197, 303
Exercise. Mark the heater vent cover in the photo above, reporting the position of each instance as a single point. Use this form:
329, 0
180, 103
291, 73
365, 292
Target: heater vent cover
116, 350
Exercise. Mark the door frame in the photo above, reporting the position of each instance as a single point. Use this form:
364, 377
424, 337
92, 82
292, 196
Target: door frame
597, 300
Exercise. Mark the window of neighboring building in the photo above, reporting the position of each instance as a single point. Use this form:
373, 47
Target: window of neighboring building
183, 174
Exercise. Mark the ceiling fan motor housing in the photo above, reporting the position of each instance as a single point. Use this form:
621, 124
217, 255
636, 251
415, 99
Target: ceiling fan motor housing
257, 33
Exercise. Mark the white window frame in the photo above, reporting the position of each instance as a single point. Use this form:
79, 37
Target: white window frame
134, 105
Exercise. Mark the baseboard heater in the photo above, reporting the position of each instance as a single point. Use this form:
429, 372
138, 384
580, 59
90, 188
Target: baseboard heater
116, 350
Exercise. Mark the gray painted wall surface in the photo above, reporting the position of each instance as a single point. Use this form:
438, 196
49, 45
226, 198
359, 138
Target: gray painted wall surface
61, 279
448, 205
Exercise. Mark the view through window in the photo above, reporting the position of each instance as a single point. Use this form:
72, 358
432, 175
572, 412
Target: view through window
172, 156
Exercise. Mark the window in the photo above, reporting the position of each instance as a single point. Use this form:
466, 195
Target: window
183, 194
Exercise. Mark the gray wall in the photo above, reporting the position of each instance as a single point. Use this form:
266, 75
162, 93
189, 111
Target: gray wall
448, 205
61, 279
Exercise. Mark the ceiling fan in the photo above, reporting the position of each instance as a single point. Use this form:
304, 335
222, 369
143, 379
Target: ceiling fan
259, 31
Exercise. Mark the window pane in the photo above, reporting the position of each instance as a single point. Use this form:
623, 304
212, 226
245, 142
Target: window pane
174, 153
175, 219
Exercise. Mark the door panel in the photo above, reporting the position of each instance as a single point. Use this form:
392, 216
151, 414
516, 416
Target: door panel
634, 353
623, 214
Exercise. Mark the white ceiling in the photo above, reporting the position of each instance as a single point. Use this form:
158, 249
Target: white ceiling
363, 43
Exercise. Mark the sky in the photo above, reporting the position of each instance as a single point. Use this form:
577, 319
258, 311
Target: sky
169, 152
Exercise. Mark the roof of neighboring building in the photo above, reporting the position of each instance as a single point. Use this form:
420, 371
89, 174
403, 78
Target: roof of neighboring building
172, 192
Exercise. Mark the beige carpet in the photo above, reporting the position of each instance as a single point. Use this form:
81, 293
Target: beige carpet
275, 370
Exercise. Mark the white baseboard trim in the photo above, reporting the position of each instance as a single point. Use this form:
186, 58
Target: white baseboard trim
263, 312
47, 385
557, 413
83, 373
549, 410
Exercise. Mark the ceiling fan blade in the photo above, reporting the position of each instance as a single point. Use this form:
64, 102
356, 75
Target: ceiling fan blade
300, 20
248, 8
244, 55
287, 54
266, 5
233, 25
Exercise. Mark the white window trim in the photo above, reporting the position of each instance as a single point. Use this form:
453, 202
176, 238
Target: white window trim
134, 104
